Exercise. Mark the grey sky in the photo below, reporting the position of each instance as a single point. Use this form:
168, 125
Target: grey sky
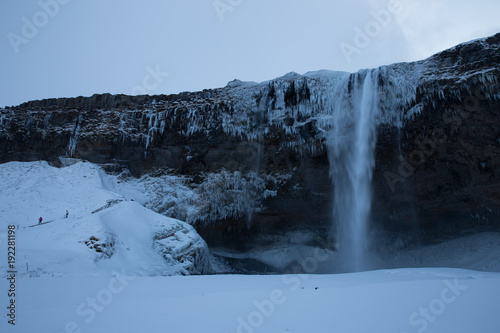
82, 47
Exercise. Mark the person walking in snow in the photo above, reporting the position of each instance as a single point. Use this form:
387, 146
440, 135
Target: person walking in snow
40, 220
66, 214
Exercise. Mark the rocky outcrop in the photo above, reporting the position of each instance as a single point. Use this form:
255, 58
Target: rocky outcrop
437, 156
180, 245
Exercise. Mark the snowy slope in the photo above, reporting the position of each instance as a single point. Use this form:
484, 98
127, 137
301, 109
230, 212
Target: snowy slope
118, 234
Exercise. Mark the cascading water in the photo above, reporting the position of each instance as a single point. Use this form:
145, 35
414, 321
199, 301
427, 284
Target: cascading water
351, 144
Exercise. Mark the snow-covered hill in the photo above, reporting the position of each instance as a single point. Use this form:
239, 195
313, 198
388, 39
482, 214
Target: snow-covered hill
104, 231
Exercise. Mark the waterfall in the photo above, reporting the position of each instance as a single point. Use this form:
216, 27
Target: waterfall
73, 140
351, 146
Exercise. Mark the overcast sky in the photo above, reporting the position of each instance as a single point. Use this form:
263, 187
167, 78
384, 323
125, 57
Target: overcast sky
67, 48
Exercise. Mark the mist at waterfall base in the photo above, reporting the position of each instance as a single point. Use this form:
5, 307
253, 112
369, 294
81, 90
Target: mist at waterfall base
351, 145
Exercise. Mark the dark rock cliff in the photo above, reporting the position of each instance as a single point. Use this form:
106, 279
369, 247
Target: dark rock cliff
437, 156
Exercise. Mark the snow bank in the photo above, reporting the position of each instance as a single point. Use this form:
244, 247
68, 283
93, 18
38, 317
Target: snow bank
103, 232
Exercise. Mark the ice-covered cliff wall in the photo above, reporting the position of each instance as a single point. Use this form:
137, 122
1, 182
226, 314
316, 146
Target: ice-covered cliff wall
437, 155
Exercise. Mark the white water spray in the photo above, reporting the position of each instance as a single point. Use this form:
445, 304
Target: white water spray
351, 145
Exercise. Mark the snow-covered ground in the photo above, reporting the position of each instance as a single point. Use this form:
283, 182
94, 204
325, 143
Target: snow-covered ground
108, 268
405, 300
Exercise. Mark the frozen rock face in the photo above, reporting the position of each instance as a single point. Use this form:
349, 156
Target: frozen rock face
263, 145
141, 236
439, 171
181, 245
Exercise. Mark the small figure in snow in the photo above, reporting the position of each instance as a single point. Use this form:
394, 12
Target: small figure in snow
66, 214
40, 220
